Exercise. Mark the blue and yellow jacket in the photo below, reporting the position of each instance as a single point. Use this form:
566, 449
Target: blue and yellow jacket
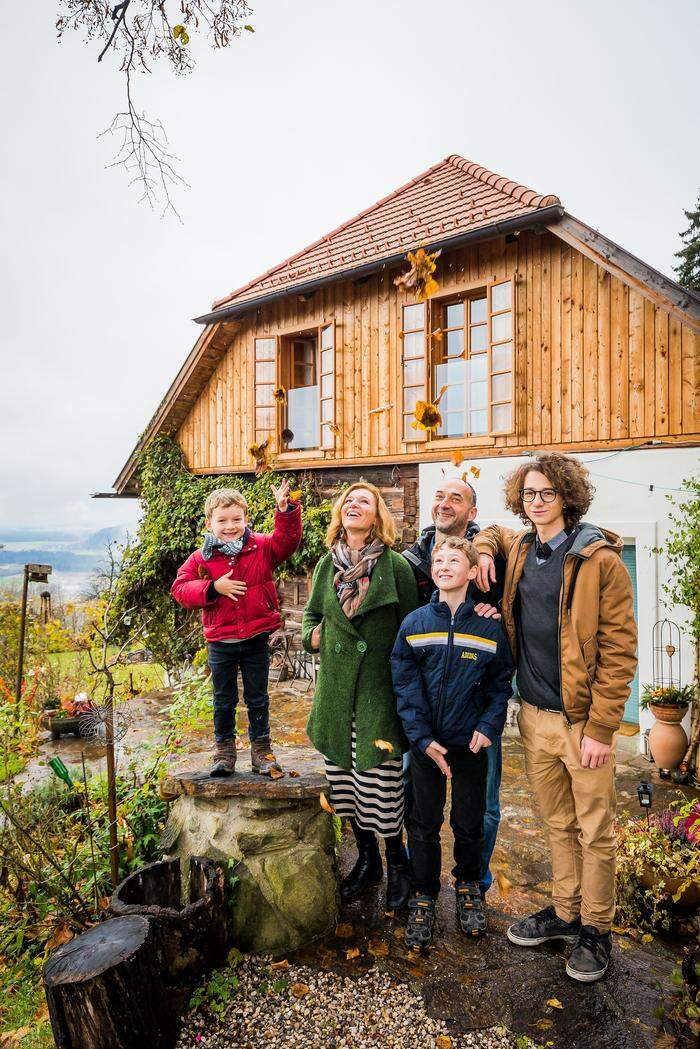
451, 675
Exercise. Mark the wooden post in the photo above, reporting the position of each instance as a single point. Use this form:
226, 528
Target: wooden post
112, 794
22, 625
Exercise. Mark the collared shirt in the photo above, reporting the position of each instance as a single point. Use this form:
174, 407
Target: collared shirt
544, 550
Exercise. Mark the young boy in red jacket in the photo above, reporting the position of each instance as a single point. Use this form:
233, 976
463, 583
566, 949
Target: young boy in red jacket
230, 579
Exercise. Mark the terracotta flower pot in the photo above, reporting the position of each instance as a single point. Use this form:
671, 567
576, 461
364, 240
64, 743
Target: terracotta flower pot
690, 897
667, 739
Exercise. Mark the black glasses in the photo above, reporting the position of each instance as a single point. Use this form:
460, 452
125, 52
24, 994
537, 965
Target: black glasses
547, 495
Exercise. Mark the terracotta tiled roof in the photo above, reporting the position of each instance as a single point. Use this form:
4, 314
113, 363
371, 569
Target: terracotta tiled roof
449, 198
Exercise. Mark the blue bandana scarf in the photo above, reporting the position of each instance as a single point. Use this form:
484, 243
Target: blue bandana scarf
212, 545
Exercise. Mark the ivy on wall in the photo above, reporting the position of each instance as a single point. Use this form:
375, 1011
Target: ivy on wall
172, 527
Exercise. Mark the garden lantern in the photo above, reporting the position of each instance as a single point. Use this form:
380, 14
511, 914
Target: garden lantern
644, 793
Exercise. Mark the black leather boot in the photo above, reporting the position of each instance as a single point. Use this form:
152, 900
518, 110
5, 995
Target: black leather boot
368, 869
398, 875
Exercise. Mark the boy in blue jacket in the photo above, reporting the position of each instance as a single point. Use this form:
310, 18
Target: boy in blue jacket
452, 673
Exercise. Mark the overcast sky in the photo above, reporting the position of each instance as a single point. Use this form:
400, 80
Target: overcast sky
293, 129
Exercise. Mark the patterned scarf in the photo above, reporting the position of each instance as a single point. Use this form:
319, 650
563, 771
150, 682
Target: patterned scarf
212, 545
354, 568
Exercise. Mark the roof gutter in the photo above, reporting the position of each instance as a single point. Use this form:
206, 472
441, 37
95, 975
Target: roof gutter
518, 224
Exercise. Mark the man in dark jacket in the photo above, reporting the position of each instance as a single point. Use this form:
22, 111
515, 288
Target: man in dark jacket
454, 512
451, 670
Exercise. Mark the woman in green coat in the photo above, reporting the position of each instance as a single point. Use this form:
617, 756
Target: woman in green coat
362, 590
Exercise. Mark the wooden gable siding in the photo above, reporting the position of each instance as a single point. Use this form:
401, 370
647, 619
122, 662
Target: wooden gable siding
598, 364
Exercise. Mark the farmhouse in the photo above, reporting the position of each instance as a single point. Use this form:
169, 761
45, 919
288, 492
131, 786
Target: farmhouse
546, 334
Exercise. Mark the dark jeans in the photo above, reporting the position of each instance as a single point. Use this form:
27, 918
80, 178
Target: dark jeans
253, 658
492, 816
429, 789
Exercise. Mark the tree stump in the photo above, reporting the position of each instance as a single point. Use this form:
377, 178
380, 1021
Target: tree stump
280, 840
105, 989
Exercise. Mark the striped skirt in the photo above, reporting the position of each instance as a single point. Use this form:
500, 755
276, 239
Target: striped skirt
373, 798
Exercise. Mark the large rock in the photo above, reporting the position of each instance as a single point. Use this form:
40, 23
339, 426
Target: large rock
274, 837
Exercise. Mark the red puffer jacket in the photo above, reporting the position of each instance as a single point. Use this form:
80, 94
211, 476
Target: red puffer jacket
257, 611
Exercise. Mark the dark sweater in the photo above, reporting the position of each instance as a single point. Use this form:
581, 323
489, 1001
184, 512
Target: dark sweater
537, 619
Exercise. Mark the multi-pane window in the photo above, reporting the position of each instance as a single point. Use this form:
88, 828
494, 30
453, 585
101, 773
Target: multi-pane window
302, 392
327, 398
265, 383
414, 371
471, 362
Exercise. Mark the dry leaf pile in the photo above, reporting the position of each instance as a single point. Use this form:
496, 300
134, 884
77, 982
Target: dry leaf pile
418, 278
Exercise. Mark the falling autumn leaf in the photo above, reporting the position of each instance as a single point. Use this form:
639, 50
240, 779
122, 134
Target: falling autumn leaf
280, 395
295, 496
427, 416
504, 885
419, 276
335, 429
378, 411
474, 470
437, 334
554, 1003
382, 744
344, 930
299, 990
443, 390
353, 952
325, 804
457, 457
260, 452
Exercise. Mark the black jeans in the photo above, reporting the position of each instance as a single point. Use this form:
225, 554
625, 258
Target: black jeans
429, 789
253, 658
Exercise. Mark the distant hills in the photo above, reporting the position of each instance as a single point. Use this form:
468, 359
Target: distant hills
65, 551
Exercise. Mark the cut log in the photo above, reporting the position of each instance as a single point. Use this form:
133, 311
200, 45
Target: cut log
105, 989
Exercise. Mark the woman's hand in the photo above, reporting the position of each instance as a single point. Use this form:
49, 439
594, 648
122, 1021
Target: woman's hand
487, 611
486, 573
479, 740
316, 637
281, 495
227, 587
437, 752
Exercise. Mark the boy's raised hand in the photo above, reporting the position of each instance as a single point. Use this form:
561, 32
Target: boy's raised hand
281, 495
479, 740
227, 587
437, 752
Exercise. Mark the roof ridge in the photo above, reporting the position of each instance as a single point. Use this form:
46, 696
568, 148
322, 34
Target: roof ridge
327, 236
522, 194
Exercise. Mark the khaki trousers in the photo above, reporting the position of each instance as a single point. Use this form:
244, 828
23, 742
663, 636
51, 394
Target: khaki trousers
578, 807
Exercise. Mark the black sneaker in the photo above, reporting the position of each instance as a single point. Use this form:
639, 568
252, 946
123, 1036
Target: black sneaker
470, 909
421, 919
541, 927
590, 958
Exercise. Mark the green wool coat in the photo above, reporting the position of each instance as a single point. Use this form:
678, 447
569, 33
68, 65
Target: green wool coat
355, 672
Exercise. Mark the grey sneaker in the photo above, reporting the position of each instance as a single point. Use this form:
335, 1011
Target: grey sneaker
262, 760
543, 926
590, 958
224, 759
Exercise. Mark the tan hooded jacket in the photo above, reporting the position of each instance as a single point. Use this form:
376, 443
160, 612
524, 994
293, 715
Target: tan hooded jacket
597, 631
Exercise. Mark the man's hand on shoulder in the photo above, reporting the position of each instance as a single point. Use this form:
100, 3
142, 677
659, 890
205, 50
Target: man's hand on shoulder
487, 611
593, 753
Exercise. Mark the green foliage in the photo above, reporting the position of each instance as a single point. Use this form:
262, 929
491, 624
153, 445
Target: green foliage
216, 992
172, 527
688, 269
670, 696
682, 549
192, 705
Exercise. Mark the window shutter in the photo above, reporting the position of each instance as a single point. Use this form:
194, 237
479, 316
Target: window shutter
266, 383
501, 302
327, 386
414, 367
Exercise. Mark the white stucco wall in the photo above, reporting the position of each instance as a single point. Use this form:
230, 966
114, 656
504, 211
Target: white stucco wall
623, 503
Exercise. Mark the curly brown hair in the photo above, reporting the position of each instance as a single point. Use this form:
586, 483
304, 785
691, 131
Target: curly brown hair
567, 475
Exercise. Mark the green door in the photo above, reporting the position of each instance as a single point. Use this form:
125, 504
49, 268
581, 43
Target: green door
629, 558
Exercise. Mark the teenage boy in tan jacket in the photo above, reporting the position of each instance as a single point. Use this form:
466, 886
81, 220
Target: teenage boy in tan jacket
567, 610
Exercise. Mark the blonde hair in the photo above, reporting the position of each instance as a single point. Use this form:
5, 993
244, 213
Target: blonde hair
223, 497
458, 542
384, 527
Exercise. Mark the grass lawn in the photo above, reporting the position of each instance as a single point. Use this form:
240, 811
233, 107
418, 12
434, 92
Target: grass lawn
146, 677
24, 1007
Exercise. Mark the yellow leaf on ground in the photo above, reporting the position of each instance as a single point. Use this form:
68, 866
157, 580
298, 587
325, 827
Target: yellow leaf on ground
443, 1041
647, 937
378, 948
544, 1025
555, 1003
276, 773
11, 1038
344, 930
325, 803
280, 967
504, 885
353, 952
61, 934
293, 774
299, 989
382, 744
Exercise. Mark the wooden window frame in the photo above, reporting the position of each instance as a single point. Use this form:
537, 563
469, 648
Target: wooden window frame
326, 435
501, 342
260, 434
406, 414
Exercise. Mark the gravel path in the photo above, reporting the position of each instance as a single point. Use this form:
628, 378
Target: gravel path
278, 1005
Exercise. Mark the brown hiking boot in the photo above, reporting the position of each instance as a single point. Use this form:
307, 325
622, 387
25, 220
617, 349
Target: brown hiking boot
262, 760
224, 759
